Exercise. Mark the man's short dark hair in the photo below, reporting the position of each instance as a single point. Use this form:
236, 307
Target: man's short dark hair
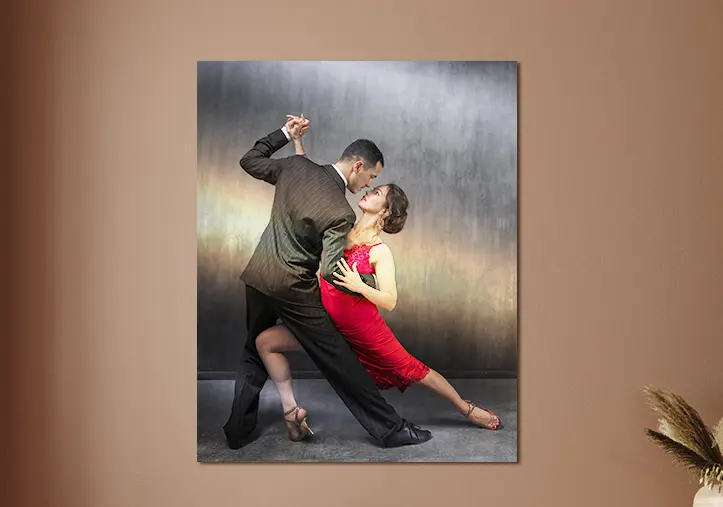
366, 150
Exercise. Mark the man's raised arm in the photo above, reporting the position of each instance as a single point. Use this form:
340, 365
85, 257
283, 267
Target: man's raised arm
258, 162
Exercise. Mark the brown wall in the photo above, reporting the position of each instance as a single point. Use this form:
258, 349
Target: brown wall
620, 244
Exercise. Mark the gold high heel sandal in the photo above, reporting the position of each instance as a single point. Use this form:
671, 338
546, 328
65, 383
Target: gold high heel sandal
301, 427
495, 425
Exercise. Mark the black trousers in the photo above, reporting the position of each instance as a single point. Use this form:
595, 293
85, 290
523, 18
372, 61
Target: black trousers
317, 334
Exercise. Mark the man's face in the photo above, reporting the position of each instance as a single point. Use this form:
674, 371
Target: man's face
362, 178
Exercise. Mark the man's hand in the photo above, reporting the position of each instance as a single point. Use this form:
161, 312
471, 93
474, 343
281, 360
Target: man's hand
296, 126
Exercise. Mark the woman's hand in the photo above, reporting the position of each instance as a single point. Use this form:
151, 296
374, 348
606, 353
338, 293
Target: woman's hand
296, 126
349, 277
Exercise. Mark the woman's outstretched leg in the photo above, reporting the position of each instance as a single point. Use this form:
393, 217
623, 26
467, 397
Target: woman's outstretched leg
442, 387
271, 344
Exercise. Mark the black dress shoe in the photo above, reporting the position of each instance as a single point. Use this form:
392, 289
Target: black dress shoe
408, 434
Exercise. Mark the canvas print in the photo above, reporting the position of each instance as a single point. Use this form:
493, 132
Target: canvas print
357, 261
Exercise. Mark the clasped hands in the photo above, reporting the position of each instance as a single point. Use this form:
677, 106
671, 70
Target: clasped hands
296, 126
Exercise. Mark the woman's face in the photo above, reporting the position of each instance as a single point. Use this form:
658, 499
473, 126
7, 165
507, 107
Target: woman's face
375, 200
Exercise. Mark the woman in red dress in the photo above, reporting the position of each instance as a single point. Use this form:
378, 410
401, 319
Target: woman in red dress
358, 319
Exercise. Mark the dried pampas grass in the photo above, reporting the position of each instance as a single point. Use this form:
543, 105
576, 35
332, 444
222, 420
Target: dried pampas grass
683, 436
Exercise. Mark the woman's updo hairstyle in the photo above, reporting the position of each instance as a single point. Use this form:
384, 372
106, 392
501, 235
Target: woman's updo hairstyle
397, 204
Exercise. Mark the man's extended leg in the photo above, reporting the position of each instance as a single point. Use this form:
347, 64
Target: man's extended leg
251, 374
313, 328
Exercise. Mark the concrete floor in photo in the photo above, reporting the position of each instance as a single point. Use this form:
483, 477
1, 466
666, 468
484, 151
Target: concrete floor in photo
340, 438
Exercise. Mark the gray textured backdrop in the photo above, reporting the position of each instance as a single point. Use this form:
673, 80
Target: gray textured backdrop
448, 131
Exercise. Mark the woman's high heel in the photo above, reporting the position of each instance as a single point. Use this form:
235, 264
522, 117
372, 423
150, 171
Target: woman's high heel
495, 425
302, 428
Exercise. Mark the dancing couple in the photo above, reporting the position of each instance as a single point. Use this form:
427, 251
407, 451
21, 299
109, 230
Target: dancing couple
334, 318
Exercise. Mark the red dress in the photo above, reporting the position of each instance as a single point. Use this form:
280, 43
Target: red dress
360, 322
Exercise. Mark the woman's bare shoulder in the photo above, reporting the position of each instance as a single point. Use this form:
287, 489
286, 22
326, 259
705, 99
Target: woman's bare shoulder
379, 252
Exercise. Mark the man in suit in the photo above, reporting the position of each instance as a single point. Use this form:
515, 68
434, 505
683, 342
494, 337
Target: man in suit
310, 219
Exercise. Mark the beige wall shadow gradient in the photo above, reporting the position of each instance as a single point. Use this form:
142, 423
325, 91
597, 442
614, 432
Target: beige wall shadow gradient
619, 237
